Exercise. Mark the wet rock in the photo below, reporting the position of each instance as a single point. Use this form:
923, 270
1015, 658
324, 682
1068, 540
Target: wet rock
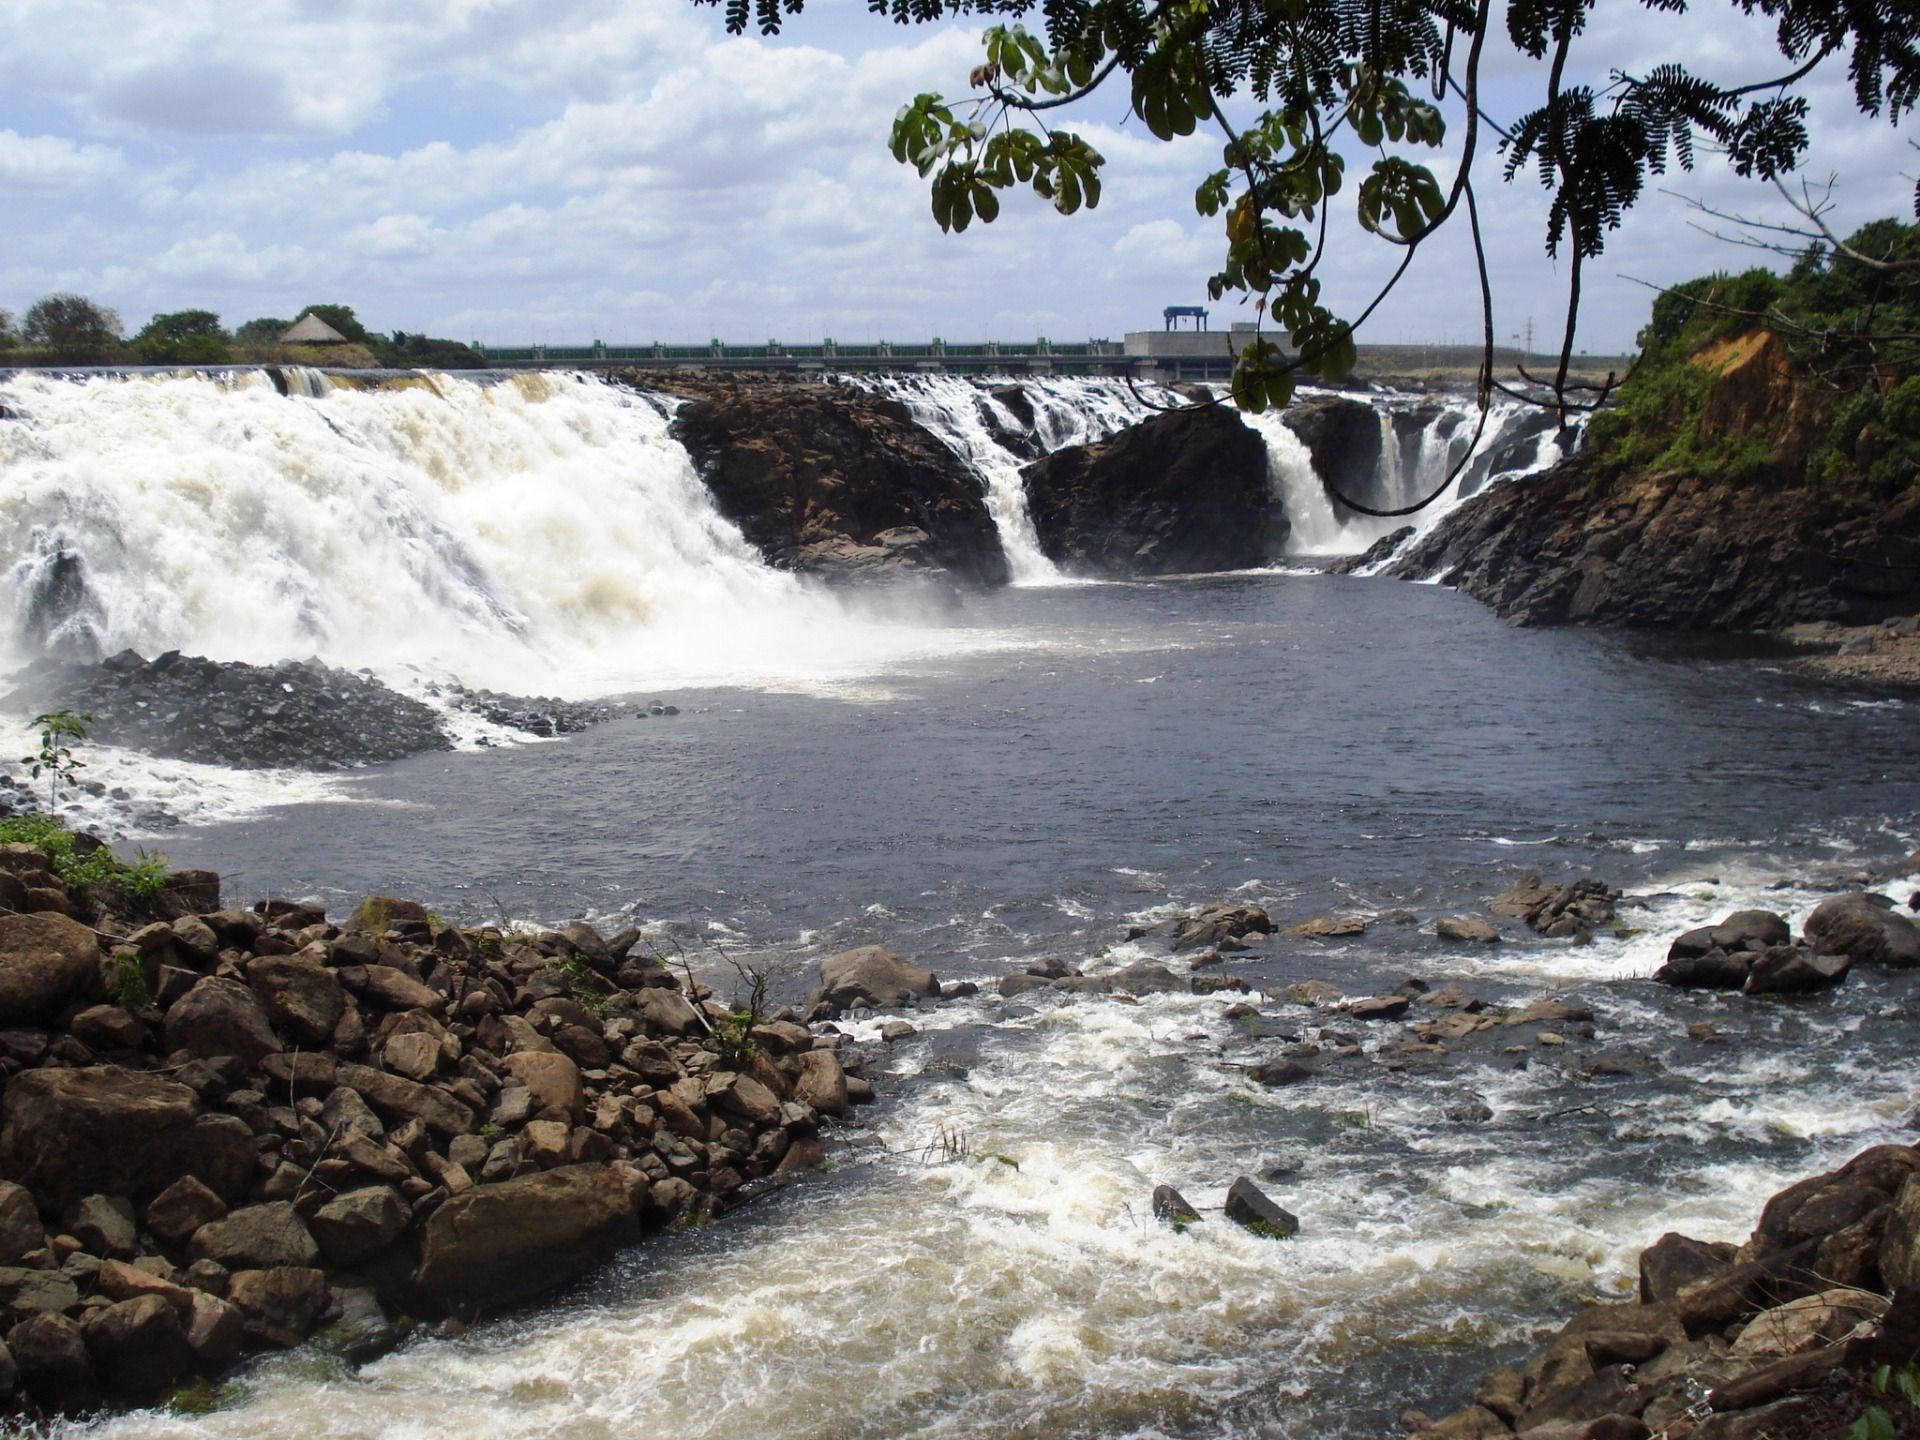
1714, 969
215, 1329
1558, 910
1379, 1007
1281, 1072
138, 1347
505, 1242
221, 1017
51, 1356
280, 1305
1315, 993
1013, 986
1866, 929
1465, 929
1675, 1262
47, 963
822, 1083
260, 1237
1248, 1207
1171, 1207
872, 977
1795, 970
1143, 977
1328, 927
1212, 924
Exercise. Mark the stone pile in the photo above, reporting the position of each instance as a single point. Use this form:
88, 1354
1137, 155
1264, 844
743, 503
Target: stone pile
1771, 1338
226, 1129
1754, 950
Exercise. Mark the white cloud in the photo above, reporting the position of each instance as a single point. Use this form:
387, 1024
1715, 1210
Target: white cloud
52, 163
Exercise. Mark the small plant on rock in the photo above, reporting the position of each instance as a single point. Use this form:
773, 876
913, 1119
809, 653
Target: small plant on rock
1874, 1422
127, 981
60, 731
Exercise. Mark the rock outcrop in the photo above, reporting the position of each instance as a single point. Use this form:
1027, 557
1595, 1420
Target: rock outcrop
289, 1120
1731, 1342
830, 480
1182, 492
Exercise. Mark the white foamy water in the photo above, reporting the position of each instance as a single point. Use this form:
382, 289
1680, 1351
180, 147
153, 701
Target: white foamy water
1411, 463
974, 423
543, 533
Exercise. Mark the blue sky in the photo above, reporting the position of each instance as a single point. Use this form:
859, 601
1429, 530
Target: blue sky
510, 171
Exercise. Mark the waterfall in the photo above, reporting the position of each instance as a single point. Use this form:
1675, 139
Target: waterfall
543, 531
1416, 452
976, 421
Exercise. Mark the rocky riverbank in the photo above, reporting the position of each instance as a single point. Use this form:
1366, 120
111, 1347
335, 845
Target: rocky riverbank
227, 1130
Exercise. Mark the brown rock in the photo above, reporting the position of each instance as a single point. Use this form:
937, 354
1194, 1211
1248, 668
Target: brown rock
51, 1355
552, 1080
108, 1027
414, 1055
69, 1133
279, 1305
139, 1347
1465, 929
34, 1292
408, 1100
1328, 927
47, 963
360, 1223
871, 976
1900, 1247
117, 1280
20, 1230
500, 1243
1809, 1322
215, 1329
301, 996
822, 1083
260, 1237
221, 1017
745, 1097
1675, 1262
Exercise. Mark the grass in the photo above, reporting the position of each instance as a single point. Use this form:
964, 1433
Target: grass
87, 876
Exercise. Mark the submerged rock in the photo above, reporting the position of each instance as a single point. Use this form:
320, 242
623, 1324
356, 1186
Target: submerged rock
1170, 1206
1250, 1209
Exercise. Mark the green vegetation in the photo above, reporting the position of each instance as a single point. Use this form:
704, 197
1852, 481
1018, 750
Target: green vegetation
127, 981
1266, 1229
72, 328
733, 1038
87, 868
1291, 91
60, 731
582, 983
1874, 1422
185, 337
1849, 329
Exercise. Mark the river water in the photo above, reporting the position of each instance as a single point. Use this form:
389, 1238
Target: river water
1072, 759
980, 784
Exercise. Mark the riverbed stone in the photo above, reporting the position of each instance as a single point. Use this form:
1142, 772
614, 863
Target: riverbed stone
1465, 929
221, 1017
1171, 1206
21, 1232
69, 1133
1328, 927
407, 1099
103, 1224
1712, 969
874, 977
279, 1305
510, 1241
1250, 1208
215, 1329
552, 1082
138, 1347
47, 964
822, 1082
1675, 1262
301, 996
50, 1353
1795, 970
352, 1226
260, 1237
1865, 928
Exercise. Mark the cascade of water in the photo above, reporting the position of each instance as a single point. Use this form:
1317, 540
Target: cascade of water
976, 425
547, 528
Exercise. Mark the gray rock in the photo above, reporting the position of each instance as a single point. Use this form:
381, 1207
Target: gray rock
20, 1230
301, 996
26, 1292
1143, 977
47, 963
138, 1346
1171, 1206
51, 1356
1795, 970
279, 1305
260, 1237
498, 1243
871, 976
344, 1110
1712, 969
1465, 929
1865, 928
1248, 1207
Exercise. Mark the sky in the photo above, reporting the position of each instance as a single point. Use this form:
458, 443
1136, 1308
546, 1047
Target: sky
512, 171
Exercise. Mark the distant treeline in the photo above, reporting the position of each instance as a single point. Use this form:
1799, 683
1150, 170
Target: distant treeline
67, 329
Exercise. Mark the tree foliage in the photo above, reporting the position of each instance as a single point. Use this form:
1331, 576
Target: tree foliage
263, 331
1292, 87
72, 327
183, 337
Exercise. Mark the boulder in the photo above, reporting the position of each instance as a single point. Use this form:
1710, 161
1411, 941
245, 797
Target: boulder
221, 1017
1328, 927
1713, 969
872, 977
65, 1134
1380, 1007
1750, 930
1248, 1207
1795, 970
1675, 1262
260, 1237
1214, 923
377, 914
1143, 977
35, 1292
103, 1224
391, 988
301, 996
1900, 1246
360, 1223
496, 1244
1558, 910
552, 1082
666, 1012
745, 1097
20, 1230
1465, 929
1808, 1322
48, 963
822, 1083
1171, 1206
108, 1027
1181, 492
50, 1353
1866, 929
138, 1347
215, 1329
1280, 1072
415, 1055
119, 1280
407, 1099
279, 1305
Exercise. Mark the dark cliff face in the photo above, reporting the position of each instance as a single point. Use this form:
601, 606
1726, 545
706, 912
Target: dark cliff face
829, 480
1181, 492
1587, 543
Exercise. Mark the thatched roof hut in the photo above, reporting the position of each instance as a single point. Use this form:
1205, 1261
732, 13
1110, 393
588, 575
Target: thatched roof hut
311, 330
